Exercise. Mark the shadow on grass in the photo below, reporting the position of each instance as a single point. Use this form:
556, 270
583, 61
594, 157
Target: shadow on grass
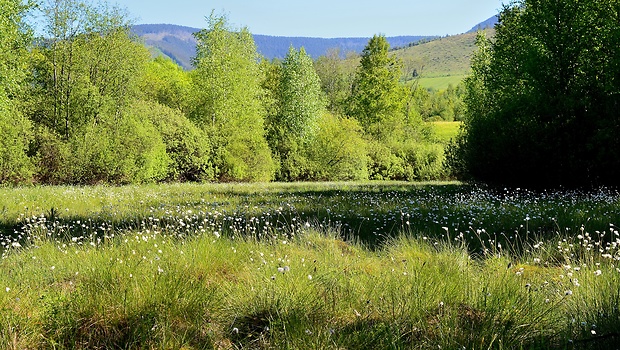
369, 213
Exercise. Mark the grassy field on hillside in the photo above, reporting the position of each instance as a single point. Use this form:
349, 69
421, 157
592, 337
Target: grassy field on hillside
440, 83
446, 131
308, 266
440, 62
446, 56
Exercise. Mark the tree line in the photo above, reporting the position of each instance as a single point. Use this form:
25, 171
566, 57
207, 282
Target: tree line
84, 103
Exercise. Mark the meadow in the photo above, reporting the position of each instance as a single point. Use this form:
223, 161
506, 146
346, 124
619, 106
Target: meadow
445, 131
372, 265
441, 82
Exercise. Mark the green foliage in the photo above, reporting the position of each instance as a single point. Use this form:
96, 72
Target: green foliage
336, 80
167, 83
14, 39
299, 103
124, 150
15, 129
52, 156
89, 67
187, 145
227, 98
300, 97
83, 104
377, 96
15, 135
543, 97
407, 161
337, 151
437, 105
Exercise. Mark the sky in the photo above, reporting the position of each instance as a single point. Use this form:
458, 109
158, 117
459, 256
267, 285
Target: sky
322, 18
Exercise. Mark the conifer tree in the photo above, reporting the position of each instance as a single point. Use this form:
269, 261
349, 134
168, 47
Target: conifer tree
377, 95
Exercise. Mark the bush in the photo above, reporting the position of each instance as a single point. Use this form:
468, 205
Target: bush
429, 161
187, 145
119, 150
52, 157
384, 164
15, 135
337, 151
246, 158
405, 152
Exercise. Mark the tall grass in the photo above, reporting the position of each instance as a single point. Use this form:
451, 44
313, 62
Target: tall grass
174, 275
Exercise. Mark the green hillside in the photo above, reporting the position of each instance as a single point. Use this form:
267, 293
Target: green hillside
440, 62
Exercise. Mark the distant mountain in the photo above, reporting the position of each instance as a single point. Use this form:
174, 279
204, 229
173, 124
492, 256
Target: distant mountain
437, 61
178, 43
489, 23
277, 47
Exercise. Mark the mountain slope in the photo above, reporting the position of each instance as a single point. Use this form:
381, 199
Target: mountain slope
440, 62
178, 43
436, 62
488, 24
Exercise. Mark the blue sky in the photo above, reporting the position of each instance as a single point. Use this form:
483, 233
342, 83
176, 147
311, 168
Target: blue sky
323, 18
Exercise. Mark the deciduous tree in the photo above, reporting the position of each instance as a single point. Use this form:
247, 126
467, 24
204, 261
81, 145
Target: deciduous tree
89, 65
15, 129
336, 80
299, 104
227, 100
377, 95
543, 98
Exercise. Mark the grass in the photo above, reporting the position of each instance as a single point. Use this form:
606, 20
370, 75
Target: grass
446, 131
441, 82
437, 63
192, 266
440, 58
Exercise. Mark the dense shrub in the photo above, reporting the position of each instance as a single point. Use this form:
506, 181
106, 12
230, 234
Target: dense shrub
15, 134
125, 150
246, 157
338, 150
187, 145
52, 156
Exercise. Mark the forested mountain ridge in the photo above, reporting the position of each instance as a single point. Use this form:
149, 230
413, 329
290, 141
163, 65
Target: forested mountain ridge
178, 43
438, 61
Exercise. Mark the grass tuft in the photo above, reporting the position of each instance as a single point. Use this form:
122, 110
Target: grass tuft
204, 267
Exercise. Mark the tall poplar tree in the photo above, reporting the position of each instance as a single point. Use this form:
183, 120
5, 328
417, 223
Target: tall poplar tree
301, 99
227, 99
299, 105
